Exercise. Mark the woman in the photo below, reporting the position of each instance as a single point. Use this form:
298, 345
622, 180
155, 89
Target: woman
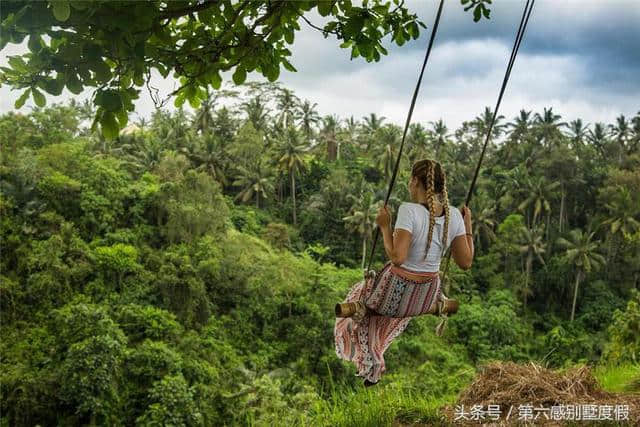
378, 309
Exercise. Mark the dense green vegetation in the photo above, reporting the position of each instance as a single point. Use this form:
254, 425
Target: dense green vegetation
185, 273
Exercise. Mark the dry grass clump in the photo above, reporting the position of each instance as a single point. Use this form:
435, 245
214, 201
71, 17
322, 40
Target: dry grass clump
510, 384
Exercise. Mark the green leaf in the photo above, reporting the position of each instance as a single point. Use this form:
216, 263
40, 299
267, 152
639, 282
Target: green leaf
274, 73
61, 9
164, 71
477, 13
35, 43
486, 12
73, 83
123, 118
240, 75
38, 97
324, 7
288, 66
54, 86
102, 70
23, 98
18, 64
109, 125
216, 80
111, 100
192, 96
288, 35
179, 100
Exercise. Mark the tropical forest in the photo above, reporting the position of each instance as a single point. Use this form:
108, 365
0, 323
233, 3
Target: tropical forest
182, 269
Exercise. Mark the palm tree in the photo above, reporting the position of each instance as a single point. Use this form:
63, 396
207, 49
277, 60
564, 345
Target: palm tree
204, 115
211, 157
308, 117
287, 104
330, 129
483, 220
143, 153
621, 219
621, 131
348, 134
171, 129
372, 122
291, 161
388, 140
531, 243
225, 125
370, 126
539, 193
520, 125
635, 134
255, 181
517, 130
482, 122
578, 133
417, 139
439, 132
142, 123
599, 138
362, 218
581, 251
548, 126
257, 113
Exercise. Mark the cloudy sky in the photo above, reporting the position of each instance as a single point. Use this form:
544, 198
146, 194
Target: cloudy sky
581, 57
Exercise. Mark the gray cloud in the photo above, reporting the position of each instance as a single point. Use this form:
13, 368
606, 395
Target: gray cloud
581, 57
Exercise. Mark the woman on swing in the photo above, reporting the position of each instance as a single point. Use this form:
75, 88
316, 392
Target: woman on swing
409, 284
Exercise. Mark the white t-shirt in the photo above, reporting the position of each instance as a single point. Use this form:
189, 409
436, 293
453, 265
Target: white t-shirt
414, 218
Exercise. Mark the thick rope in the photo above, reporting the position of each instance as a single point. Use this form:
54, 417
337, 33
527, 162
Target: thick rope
516, 46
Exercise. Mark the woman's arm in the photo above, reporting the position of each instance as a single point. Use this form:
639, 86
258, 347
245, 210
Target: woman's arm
396, 245
462, 249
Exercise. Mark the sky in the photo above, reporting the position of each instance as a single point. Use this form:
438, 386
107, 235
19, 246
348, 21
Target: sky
581, 57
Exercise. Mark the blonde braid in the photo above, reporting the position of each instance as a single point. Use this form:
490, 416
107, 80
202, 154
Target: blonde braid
445, 202
430, 202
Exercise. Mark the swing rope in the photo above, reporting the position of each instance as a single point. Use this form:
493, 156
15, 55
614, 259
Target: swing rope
516, 46
524, 20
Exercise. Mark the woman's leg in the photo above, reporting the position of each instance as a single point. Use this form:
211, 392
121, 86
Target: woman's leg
374, 338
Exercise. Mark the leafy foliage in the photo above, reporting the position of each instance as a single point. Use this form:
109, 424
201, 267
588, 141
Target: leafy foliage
138, 287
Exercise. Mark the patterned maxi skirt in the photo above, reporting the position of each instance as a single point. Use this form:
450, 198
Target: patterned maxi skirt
396, 300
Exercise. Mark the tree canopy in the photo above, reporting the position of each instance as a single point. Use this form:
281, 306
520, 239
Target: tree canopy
113, 45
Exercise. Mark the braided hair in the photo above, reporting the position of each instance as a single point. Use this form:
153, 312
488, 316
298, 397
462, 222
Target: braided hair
433, 179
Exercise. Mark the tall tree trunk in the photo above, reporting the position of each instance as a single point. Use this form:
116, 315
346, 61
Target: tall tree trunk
364, 250
293, 195
331, 149
338, 151
257, 199
526, 280
561, 222
575, 294
548, 227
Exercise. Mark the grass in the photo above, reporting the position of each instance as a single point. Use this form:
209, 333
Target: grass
619, 378
380, 405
